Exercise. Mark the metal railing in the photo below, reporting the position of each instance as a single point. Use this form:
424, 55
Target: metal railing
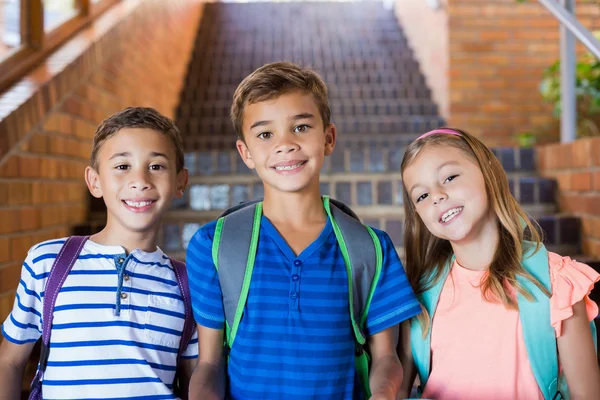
570, 28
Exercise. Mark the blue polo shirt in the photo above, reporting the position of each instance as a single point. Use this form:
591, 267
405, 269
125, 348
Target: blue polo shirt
295, 339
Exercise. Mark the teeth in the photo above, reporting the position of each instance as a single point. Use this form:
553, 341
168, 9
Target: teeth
138, 203
448, 215
288, 167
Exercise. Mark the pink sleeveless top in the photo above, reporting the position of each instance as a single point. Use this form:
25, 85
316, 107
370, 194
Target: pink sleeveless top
478, 351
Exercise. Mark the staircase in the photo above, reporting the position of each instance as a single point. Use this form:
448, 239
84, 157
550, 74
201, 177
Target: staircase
379, 100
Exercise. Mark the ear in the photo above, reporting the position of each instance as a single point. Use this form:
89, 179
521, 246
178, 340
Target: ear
182, 181
92, 179
242, 148
330, 139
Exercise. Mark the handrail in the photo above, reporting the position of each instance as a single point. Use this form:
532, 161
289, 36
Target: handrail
573, 25
570, 29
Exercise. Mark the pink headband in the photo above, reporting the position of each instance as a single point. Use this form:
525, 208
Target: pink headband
440, 130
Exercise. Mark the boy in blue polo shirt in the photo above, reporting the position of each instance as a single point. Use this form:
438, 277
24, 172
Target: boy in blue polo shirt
119, 316
295, 338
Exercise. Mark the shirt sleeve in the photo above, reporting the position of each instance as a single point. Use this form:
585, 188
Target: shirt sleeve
207, 298
393, 300
191, 351
572, 282
24, 323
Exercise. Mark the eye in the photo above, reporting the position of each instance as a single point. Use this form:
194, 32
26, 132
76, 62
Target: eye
122, 167
450, 178
421, 197
302, 128
156, 167
264, 135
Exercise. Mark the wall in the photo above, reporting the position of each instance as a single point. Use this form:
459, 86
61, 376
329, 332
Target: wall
134, 54
576, 167
497, 51
427, 31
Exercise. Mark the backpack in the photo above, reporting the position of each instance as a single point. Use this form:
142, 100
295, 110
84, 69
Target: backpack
58, 274
538, 333
234, 250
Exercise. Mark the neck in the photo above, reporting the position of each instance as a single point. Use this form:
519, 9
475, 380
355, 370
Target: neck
297, 209
113, 235
477, 251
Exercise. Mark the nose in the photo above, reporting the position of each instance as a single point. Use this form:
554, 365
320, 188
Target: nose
439, 197
140, 180
287, 144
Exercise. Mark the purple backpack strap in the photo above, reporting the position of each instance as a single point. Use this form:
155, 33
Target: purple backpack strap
60, 270
188, 325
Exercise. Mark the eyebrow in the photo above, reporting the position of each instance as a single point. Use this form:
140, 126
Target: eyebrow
293, 118
128, 154
440, 167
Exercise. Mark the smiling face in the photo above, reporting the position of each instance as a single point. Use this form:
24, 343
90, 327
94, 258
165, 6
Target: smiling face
137, 178
448, 191
285, 142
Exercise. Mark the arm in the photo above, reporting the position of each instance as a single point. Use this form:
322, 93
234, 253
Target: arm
208, 380
406, 360
386, 372
13, 359
186, 368
578, 357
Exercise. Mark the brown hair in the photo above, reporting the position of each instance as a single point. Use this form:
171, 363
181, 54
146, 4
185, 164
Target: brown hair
273, 80
137, 117
426, 254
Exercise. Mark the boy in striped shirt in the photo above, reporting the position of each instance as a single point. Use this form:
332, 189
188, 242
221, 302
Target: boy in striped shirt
119, 316
295, 338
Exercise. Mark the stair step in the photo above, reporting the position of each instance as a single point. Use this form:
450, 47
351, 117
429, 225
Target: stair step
355, 153
396, 91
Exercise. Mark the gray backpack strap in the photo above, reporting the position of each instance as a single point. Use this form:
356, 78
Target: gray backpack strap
234, 248
362, 252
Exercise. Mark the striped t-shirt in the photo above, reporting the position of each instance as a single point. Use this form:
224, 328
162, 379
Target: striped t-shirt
295, 339
117, 323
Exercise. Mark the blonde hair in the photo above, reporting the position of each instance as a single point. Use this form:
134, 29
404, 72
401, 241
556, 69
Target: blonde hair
426, 255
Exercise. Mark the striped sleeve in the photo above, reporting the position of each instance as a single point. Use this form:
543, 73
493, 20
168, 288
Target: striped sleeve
393, 299
24, 323
191, 351
207, 299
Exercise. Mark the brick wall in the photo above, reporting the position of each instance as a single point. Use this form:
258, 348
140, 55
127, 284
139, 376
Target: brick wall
576, 167
427, 30
497, 51
135, 54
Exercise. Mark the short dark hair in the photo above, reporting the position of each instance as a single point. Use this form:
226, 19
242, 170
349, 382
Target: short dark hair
137, 117
273, 80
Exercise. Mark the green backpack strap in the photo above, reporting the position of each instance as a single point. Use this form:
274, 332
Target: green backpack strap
361, 250
421, 344
234, 245
538, 333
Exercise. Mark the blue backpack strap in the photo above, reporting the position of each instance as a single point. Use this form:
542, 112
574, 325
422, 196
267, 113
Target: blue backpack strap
538, 333
184, 288
421, 345
58, 274
234, 246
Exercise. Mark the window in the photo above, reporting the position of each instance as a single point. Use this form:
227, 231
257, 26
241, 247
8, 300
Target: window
56, 12
10, 26
31, 29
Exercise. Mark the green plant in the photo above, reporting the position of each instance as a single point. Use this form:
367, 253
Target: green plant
526, 139
587, 90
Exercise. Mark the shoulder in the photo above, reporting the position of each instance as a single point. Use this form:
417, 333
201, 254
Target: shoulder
384, 239
205, 234
47, 250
